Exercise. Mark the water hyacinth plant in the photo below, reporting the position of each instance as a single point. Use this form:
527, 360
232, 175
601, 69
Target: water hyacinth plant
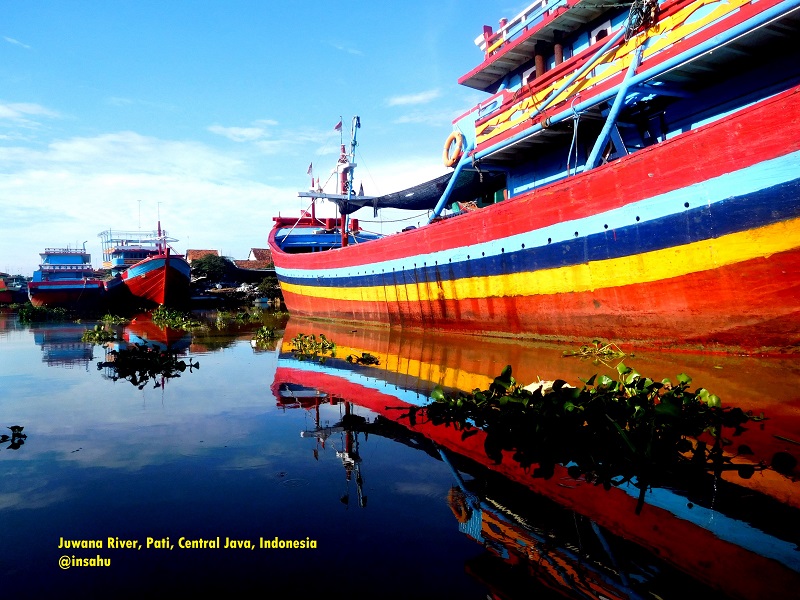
141, 363
608, 432
308, 347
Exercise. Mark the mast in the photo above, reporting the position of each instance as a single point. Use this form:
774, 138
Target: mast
347, 166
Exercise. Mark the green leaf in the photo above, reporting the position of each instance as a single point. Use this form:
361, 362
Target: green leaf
604, 381
632, 376
505, 380
438, 394
684, 378
622, 369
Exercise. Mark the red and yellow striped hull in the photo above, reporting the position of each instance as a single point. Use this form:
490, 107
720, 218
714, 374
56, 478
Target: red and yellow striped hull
657, 248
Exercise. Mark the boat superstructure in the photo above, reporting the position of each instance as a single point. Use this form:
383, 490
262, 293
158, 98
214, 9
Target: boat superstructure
145, 269
66, 279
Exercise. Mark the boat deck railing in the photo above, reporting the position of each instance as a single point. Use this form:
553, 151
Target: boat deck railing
50, 268
490, 41
64, 251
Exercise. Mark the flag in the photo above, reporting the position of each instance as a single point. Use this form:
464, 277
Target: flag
310, 169
338, 125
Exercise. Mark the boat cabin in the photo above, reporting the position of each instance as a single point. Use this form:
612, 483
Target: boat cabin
576, 84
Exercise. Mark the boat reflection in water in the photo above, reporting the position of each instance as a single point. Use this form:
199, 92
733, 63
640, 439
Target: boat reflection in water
147, 352
62, 345
720, 533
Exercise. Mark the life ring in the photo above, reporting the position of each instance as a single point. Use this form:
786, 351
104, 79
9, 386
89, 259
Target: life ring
458, 504
451, 161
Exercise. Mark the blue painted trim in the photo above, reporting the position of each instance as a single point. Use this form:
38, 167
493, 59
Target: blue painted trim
734, 215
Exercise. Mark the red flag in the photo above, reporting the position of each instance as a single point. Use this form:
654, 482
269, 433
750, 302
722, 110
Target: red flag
310, 168
338, 126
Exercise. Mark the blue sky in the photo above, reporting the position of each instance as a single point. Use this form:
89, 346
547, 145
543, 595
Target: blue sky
210, 112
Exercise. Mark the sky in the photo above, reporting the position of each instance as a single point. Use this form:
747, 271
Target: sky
208, 113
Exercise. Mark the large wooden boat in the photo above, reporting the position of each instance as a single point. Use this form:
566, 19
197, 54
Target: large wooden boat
145, 270
733, 535
66, 279
633, 175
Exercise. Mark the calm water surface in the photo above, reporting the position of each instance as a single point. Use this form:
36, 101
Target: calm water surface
250, 448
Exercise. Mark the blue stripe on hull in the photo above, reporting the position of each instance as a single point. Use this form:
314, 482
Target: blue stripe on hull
732, 215
153, 264
771, 181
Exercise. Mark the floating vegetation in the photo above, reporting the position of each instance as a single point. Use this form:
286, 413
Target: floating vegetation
141, 363
597, 350
16, 439
98, 335
365, 359
115, 320
264, 334
608, 432
241, 316
307, 347
28, 313
169, 317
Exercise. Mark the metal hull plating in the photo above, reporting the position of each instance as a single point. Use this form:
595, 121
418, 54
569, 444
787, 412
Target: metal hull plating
658, 248
159, 281
66, 294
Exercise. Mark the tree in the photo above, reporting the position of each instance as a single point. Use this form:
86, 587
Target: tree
214, 268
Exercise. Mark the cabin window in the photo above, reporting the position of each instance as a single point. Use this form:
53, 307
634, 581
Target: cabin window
528, 75
600, 32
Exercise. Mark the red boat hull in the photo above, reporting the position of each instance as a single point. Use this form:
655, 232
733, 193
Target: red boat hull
159, 281
66, 294
652, 249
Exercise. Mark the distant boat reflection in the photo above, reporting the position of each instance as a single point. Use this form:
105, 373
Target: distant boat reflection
62, 345
726, 534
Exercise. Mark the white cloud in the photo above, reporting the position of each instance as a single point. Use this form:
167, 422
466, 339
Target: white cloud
347, 49
117, 101
20, 111
238, 134
420, 98
83, 185
16, 42
271, 146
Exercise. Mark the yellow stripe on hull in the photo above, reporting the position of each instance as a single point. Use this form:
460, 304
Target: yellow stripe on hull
425, 371
616, 272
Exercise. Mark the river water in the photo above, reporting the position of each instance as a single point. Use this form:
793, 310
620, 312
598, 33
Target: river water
127, 480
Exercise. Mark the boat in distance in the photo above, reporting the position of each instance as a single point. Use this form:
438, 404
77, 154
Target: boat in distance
632, 175
66, 279
145, 270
